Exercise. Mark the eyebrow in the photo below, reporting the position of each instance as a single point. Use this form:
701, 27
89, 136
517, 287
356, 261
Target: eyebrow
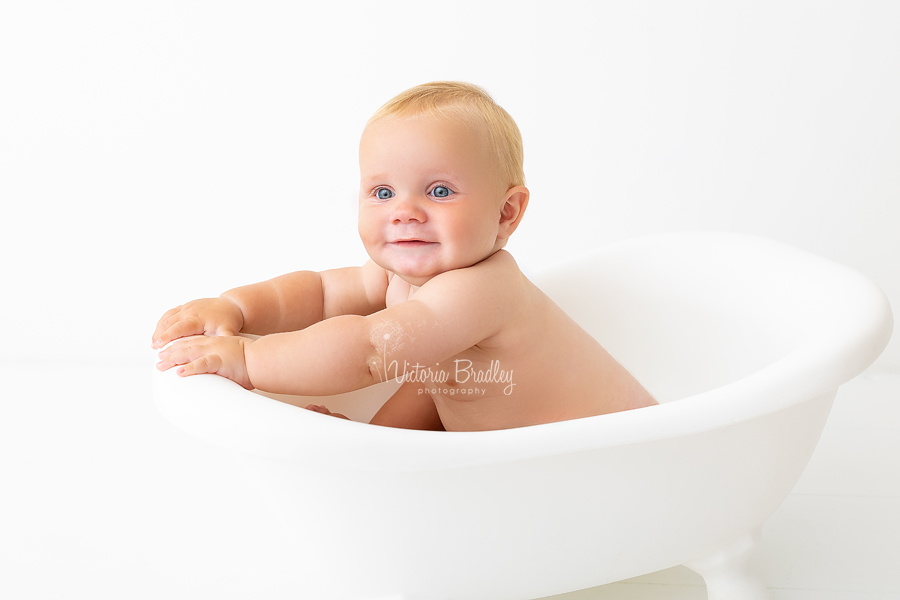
439, 173
378, 177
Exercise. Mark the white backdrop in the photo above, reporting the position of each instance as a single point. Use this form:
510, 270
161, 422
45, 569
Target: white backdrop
154, 152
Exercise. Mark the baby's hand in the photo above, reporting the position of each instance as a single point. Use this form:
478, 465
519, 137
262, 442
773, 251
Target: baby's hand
222, 355
209, 316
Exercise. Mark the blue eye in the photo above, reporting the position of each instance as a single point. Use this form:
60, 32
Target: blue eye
441, 191
384, 194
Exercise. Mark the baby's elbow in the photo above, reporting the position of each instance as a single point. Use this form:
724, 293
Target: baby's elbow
375, 370
375, 362
381, 341
364, 358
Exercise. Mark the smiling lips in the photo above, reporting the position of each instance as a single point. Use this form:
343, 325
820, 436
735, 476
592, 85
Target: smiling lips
411, 243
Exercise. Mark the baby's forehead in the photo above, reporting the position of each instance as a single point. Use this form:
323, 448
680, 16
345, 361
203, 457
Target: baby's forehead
452, 134
454, 122
430, 142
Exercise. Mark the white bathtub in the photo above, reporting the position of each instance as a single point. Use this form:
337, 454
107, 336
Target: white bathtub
744, 342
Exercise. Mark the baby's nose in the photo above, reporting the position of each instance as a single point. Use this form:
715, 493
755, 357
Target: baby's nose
408, 208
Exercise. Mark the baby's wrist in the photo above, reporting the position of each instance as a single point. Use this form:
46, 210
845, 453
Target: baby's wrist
244, 343
236, 305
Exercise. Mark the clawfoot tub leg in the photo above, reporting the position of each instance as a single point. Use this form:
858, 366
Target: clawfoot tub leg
727, 572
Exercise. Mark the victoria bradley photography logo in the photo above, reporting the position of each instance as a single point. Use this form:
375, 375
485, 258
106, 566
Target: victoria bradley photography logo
436, 380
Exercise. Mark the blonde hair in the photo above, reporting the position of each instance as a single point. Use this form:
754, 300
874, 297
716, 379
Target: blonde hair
475, 107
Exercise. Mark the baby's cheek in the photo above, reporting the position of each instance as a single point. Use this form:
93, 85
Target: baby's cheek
369, 237
368, 223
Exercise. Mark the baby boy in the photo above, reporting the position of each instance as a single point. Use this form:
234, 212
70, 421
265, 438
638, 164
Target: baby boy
440, 305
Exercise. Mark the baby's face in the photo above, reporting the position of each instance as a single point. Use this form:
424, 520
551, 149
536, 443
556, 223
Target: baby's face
429, 200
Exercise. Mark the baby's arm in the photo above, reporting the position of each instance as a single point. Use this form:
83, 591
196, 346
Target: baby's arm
286, 303
449, 314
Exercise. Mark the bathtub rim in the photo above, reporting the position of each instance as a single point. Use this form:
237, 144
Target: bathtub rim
221, 412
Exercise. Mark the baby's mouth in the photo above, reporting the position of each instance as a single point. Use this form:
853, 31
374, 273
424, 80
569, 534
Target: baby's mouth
412, 243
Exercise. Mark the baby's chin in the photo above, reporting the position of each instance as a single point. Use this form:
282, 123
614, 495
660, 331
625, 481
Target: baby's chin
421, 273
419, 277
410, 270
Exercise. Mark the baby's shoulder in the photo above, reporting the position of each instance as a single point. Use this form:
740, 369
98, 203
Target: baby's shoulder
499, 268
497, 275
494, 278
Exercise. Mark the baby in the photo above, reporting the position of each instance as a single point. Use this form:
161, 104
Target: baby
440, 305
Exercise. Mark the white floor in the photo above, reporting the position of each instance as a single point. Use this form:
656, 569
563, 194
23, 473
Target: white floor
101, 498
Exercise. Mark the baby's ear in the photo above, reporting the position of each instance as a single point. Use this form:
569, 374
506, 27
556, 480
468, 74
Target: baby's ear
512, 210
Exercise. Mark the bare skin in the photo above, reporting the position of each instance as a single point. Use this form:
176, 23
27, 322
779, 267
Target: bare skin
556, 370
440, 304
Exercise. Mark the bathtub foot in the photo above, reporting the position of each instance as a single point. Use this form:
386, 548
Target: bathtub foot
727, 572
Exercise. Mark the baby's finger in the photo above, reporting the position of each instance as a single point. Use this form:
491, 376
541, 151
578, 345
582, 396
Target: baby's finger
162, 324
179, 353
181, 328
210, 363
